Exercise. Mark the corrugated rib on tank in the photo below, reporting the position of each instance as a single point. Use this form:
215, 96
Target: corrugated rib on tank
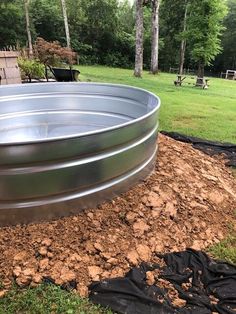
65, 147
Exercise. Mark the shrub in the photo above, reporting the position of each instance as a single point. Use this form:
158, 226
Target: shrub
31, 68
52, 53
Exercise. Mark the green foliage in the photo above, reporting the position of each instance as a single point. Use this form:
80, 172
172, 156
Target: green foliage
12, 28
31, 68
47, 20
227, 59
103, 31
171, 21
204, 29
225, 250
46, 299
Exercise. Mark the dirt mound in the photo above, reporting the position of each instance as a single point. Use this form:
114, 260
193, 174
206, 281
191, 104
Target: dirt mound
188, 201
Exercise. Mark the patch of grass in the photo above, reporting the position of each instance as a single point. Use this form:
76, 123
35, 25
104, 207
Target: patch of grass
225, 250
209, 114
46, 299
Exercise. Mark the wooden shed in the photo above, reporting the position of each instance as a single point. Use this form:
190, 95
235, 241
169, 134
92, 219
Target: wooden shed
9, 70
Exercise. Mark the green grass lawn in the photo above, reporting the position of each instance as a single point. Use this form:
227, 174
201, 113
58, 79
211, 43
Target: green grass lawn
46, 299
209, 114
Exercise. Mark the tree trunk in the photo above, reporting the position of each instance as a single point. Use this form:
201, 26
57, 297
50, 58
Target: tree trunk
183, 42
27, 2
63, 5
200, 72
155, 36
139, 39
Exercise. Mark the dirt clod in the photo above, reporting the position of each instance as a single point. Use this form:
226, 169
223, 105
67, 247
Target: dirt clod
187, 201
94, 272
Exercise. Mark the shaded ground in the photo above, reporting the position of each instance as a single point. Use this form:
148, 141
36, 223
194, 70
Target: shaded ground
188, 201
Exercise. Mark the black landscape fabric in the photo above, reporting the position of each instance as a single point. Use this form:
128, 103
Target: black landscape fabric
212, 289
208, 147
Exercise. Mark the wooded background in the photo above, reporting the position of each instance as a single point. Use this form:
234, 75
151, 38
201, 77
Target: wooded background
103, 31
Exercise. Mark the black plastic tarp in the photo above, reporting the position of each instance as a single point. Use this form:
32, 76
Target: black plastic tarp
213, 287
208, 147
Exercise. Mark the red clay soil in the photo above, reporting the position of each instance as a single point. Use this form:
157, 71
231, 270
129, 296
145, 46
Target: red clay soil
188, 201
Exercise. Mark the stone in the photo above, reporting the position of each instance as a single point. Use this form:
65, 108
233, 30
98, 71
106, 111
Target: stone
140, 227
23, 281
197, 245
3, 293
133, 258
47, 242
28, 272
130, 217
43, 251
17, 271
67, 275
37, 278
94, 272
144, 252
83, 291
113, 261
150, 278
98, 247
154, 200
171, 209
43, 264
20, 256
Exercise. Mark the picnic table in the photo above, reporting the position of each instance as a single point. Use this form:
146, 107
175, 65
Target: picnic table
179, 80
202, 82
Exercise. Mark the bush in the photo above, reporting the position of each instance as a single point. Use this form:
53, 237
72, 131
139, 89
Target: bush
52, 53
31, 68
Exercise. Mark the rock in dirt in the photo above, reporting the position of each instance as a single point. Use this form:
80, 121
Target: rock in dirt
144, 252
140, 227
67, 275
94, 272
20, 256
133, 258
187, 201
47, 242
23, 281
43, 251
3, 293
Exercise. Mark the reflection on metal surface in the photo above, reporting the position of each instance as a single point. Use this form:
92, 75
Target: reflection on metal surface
68, 146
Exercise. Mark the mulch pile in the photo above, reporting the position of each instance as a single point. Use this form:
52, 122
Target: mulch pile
188, 201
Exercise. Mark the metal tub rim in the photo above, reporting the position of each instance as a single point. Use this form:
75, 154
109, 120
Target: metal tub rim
88, 133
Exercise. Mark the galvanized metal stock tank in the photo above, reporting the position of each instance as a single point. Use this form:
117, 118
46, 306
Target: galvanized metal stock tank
69, 146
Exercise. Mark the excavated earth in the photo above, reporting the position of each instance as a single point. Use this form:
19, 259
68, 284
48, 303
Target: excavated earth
188, 201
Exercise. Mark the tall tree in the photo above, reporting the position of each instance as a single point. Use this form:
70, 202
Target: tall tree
48, 20
139, 39
227, 59
28, 30
64, 12
155, 36
205, 26
12, 24
183, 40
